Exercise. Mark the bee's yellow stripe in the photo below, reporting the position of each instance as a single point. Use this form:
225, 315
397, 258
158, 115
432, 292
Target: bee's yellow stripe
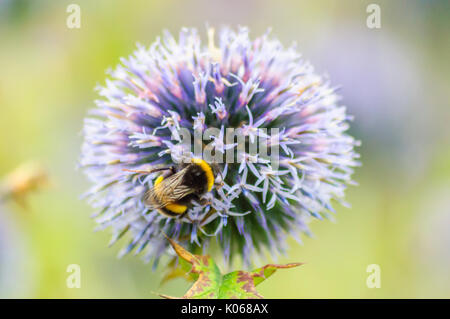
208, 171
159, 180
176, 208
173, 207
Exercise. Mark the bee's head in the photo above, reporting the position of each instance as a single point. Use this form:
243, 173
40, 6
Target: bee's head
215, 169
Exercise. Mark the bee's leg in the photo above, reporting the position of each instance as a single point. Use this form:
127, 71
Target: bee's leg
218, 184
149, 171
203, 201
185, 214
188, 200
135, 171
170, 171
173, 170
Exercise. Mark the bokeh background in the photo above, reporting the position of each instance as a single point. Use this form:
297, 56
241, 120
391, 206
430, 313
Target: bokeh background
395, 80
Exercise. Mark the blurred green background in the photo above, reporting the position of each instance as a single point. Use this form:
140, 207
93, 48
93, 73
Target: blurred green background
395, 80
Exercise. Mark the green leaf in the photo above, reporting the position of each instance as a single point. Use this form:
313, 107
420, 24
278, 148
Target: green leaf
261, 274
211, 284
179, 269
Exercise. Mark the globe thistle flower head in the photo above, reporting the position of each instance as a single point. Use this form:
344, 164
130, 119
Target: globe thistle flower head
257, 86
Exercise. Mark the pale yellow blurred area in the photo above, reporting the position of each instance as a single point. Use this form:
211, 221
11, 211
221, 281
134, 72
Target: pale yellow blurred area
394, 80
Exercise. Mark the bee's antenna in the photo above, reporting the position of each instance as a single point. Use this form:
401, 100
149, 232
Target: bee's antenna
220, 173
221, 176
188, 218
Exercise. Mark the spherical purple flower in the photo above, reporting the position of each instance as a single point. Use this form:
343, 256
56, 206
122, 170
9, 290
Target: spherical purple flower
254, 85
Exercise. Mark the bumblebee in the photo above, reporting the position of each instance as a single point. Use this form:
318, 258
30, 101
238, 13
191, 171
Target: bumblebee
174, 191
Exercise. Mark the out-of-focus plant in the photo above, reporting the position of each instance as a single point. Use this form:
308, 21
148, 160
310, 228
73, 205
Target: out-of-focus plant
26, 178
16, 186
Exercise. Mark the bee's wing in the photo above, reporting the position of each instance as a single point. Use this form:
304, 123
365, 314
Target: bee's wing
150, 200
170, 190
